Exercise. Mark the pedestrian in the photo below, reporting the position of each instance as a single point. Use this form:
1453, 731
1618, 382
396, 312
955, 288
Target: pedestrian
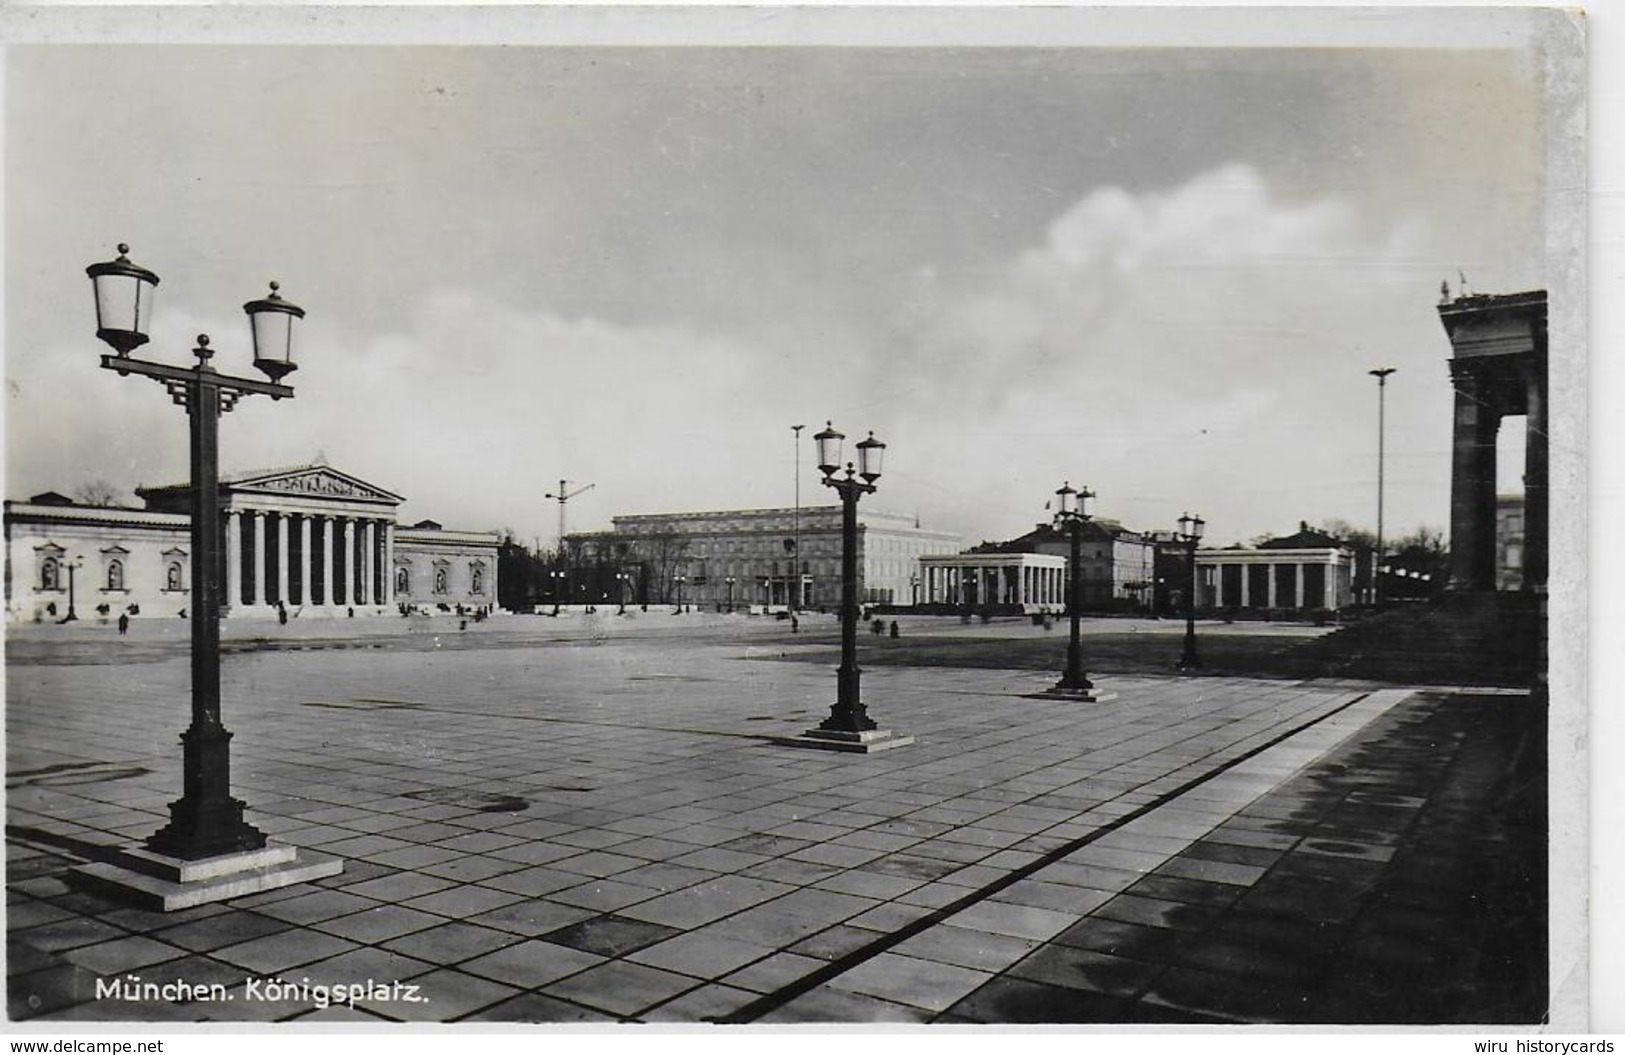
282, 613
795, 624
894, 628
123, 623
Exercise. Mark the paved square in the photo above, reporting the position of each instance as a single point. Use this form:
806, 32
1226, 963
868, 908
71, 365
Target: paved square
545, 831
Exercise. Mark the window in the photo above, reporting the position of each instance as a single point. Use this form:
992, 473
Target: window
50, 574
403, 580
172, 576
440, 581
476, 578
115, 575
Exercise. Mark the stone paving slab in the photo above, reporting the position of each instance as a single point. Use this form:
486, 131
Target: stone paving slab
607, 832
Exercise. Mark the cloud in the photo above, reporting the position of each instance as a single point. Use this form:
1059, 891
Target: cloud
1192, 346
1200, 347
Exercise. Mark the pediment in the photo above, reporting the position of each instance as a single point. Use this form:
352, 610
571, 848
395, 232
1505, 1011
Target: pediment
314, 482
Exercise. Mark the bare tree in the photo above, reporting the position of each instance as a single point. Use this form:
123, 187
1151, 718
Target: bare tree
97, 492
666, 550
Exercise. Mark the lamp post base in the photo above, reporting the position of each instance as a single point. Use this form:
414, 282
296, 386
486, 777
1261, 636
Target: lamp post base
1072, 695
166, 883
866, 742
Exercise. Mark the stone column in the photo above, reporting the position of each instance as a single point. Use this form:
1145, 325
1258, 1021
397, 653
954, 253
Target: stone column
234, 561
283, 522
262, 560
305, 575
1472, 482
1246, 585
327, 560
343, 547
389, 563
1535, 517
1300, 584
369, 567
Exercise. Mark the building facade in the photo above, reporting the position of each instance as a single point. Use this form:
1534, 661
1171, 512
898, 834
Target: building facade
1509, 541
755, 557
310, 539
1306, 570
1034, 582
1115, 563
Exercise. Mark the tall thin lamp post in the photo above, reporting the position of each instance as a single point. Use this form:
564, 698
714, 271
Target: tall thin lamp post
1382, 407
1190, 533
73, 565
795, 531
206, 822
849, 727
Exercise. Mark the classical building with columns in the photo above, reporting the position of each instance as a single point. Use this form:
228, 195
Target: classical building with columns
1034, 582
1308, 569
310, 538
1115, 563
1498, 369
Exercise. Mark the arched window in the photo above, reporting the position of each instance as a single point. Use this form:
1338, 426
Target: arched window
50, 574
115, 575
403, 580
476, 576
172, 576
440, 580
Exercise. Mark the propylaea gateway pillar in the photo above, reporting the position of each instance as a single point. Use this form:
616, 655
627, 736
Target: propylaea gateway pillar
1498, 370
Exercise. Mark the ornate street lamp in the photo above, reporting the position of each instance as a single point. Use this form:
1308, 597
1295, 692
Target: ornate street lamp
1190, 533
730, 580
1071, 514
849, 727
557, 576
625, 579
72, 565
679, 580
207, 852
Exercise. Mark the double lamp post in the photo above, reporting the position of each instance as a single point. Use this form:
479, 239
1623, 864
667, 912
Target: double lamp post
1071, 515
206, 822
849, 727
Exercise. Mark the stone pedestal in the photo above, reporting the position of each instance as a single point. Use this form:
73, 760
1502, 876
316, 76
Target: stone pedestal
867, 742
1056, 692
166, 883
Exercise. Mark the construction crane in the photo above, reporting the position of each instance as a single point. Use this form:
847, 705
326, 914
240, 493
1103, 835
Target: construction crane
564, 495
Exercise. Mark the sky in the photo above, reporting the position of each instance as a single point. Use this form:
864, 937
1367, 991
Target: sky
1162, 273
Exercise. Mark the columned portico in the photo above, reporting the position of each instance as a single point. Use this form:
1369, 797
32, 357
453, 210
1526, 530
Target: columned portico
1285, 578
1498, 370
311, 540
1027, 580
308, 538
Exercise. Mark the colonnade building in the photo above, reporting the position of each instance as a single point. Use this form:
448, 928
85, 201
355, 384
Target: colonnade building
310, 539
1029, 572
1032, 581
760, 557
1308, 569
